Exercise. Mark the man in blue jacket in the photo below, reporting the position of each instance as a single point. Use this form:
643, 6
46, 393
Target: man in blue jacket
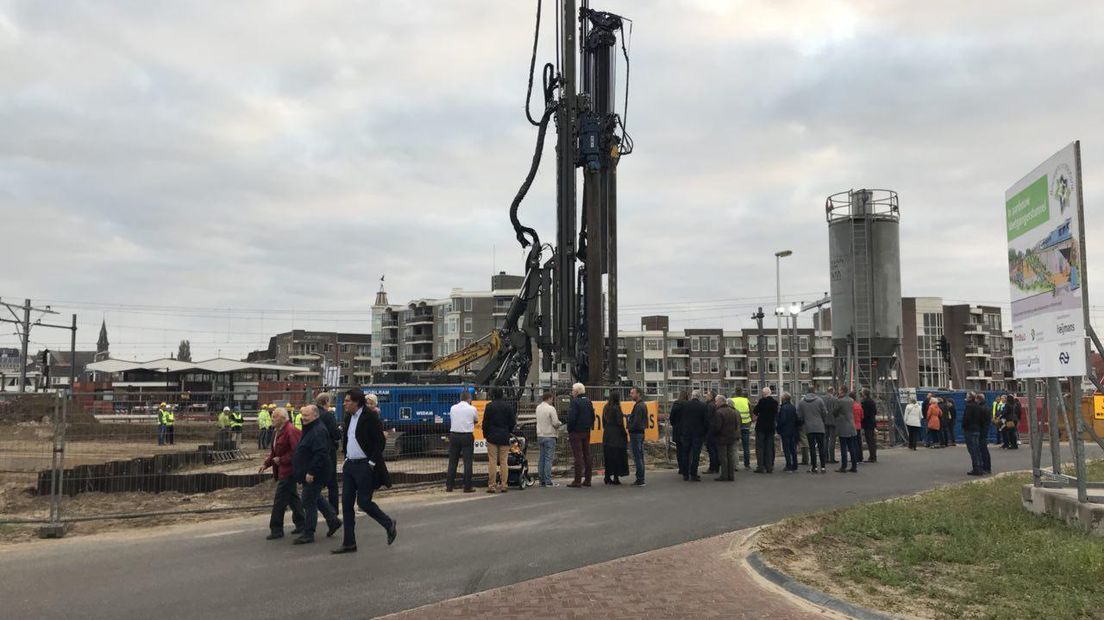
580, 421
312, 466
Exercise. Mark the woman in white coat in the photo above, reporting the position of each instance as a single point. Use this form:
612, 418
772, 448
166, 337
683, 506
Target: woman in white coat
913, 421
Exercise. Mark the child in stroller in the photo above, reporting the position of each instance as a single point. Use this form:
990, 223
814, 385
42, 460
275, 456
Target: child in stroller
518, 464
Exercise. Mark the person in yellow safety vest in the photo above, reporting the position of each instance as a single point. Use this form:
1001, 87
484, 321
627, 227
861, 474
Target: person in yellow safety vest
224, 418
236, 427
169, 420
161, 430
264, 425
743, 407
296, 417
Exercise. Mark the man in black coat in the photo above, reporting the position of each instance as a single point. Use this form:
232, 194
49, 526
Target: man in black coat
710, 444
364, 470
972, 421
580, 421
311, 463
694, 428
499, 420
766, 415
870, 425
327, 417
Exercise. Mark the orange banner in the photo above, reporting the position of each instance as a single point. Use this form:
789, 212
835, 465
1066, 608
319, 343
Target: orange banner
650, 434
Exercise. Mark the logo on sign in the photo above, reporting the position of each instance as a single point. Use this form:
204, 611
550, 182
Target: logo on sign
1065, 328
1064, 357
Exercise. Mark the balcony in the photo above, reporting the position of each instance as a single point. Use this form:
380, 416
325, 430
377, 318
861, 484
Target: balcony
736, 374
362, 358
975, 328
678, 373
977, 352
973, 374
420, 319
735, 352
392, 344
419, 357
680, 352
390, 324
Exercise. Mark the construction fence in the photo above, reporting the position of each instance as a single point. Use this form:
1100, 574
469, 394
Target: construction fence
108, 456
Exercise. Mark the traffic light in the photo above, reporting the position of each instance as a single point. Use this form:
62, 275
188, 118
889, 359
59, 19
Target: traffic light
945, 348
45, 358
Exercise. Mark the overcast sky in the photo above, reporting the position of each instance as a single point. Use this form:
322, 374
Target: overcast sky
223, 171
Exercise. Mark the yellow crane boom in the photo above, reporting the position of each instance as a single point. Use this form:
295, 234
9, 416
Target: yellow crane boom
485, 347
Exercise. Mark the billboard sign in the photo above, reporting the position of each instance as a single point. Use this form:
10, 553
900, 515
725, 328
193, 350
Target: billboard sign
1046, 268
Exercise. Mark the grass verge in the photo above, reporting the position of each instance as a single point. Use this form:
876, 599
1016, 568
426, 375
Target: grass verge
968, 550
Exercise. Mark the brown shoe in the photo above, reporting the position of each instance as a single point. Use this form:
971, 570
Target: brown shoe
575, 485
491, 490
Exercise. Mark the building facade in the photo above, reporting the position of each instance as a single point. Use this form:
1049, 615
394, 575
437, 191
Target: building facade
313, 351
962, 347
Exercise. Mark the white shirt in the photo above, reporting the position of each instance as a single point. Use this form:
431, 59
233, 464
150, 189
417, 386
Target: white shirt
547, 420
352, 448
462, 417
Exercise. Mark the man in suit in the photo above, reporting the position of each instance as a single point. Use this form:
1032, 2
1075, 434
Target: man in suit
364, 470
694, 427
766, 415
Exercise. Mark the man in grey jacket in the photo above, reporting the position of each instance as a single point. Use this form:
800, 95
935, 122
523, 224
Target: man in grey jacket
812, 413
830, 425
845, 429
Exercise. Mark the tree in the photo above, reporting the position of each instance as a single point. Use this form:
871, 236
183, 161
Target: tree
184, 353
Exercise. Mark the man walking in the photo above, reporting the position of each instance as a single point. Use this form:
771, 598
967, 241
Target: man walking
322, 402
765, 414
813, 414
312, 469
675, 420
548, 430
580, 421
693, 434
364, 470
848, 434
725, 424
743, 409
279, 459
462, 419
869, 426
638, 423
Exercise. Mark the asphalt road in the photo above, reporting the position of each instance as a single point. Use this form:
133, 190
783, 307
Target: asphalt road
448, 546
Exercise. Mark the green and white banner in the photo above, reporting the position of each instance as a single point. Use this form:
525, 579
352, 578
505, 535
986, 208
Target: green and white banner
1046, 268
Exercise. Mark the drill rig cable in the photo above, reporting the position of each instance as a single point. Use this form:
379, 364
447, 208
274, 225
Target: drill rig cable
549, 108
532, 66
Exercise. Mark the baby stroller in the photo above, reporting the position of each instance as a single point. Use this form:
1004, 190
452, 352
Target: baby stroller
517, 464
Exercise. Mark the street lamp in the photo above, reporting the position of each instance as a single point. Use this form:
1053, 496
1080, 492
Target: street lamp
778, 256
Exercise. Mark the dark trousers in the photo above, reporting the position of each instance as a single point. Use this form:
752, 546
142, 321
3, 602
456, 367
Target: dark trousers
745, 440
636, 441
859, 442
764, 451
972, 446
580, 450
983, 454
693, 455
727, 452
913, 434
286, 495
849, 447
789, 450
313, 502
681, 452
331, 486
714, 458
948, 435
830, 444
460, 444
942, 437
358, 487
871, 443
817, 448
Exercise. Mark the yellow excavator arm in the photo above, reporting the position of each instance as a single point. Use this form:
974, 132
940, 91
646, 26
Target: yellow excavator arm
485, 347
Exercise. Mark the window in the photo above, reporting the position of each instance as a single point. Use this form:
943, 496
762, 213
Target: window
772, 367
620, 343
804, 367
467, 324
636, 344
652, 344
451, 327
653, 365
344, 348
328, 348
803, 343
785, 366
714, 365
694, 346
467, 304
344, 363
753, 344
695, 366
772, 344
714, 343
753, 366
639, 365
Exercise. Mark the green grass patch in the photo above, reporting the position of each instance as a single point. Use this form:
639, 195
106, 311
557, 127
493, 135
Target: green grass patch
969, 550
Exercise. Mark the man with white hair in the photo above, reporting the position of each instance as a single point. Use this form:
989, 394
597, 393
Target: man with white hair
580, 421
279, 459
694, 427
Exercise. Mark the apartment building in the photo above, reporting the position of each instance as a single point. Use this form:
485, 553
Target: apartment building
959, 346
316, 350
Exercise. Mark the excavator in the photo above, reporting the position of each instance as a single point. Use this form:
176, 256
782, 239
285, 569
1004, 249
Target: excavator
559, 307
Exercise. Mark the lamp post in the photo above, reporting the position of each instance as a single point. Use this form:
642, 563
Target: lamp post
778, 256
795, 310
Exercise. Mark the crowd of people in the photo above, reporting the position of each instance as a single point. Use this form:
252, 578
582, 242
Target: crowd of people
308, 458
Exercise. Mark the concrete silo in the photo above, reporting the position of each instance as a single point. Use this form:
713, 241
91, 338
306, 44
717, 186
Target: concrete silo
864, 252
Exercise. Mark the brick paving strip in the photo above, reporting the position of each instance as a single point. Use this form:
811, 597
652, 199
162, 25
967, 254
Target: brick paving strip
708, 578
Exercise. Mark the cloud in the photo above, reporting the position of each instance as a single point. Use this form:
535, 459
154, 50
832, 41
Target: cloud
250, 156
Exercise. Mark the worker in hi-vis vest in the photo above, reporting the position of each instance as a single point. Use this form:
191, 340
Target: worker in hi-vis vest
743, 407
